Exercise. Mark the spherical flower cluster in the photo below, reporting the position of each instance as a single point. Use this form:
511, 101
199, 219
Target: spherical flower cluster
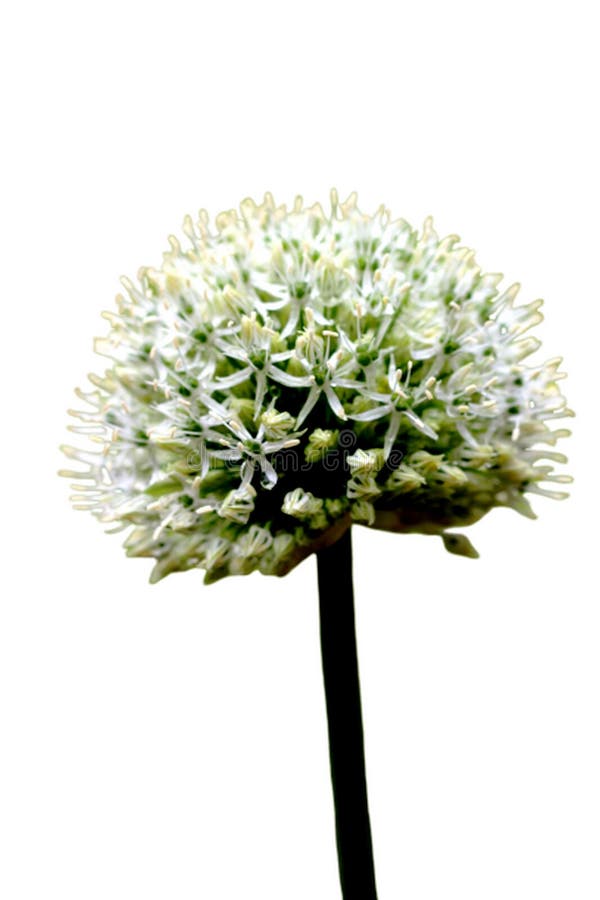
289, 372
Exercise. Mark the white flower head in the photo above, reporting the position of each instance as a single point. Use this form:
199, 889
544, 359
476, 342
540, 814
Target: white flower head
290, 371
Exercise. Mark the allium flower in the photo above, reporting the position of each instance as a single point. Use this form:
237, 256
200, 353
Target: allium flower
290, 371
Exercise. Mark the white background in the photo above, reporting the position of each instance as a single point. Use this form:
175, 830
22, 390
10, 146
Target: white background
170, 741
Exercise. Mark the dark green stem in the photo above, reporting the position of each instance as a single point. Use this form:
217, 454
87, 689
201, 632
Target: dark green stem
344, 717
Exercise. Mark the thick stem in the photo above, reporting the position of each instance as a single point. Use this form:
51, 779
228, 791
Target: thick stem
342, 695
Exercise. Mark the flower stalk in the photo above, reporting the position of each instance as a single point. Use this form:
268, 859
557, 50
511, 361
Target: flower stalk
344, 718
